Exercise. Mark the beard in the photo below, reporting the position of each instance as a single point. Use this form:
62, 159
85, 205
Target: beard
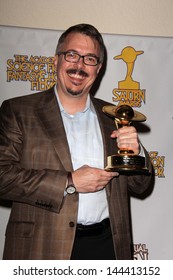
74, 92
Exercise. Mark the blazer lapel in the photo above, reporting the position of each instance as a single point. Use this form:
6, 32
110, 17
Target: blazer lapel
107, 126
50, 117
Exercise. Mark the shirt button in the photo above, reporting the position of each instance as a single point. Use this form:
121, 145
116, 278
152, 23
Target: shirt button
71, 224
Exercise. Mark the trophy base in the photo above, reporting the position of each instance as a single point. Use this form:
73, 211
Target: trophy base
126, 164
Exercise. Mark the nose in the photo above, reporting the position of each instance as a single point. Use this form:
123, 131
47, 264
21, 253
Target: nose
81, 61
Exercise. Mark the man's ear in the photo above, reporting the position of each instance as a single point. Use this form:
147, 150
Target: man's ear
98, 69
55, 60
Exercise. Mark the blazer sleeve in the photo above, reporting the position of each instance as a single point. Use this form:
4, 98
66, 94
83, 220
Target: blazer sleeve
42, 188
139, 184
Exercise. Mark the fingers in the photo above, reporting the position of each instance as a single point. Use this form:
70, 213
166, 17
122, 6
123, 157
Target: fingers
109, 175
105, 177
89, 179
127, 138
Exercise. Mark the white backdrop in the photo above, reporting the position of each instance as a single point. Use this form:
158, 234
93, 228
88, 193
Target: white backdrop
26, 67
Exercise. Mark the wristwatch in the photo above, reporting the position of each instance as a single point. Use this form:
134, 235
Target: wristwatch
70, 189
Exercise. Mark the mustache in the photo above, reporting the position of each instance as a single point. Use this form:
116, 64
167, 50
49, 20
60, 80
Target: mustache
77, 71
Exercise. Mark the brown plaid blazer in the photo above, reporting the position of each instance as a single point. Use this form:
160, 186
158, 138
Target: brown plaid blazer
34, 161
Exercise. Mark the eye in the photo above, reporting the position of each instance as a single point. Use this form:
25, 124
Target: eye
71, 55
91, 59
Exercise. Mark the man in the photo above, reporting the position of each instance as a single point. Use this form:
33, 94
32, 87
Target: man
53, 152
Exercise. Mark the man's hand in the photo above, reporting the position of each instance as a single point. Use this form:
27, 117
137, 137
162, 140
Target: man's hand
127, 138
90, 179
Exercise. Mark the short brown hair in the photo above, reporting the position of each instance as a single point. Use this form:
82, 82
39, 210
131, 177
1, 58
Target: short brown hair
85, 29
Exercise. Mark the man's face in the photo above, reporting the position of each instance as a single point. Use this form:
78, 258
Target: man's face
76, 79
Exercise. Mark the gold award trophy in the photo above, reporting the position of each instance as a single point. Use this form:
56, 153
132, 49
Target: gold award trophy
125, 161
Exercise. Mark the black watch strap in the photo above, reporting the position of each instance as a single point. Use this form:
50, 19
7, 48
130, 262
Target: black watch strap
70, 189
69, 179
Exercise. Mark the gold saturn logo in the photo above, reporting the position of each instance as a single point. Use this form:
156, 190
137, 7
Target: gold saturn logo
128, 91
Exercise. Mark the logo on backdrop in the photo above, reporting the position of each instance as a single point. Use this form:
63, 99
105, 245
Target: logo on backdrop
128, 91
140, 252
158, 163
38, 70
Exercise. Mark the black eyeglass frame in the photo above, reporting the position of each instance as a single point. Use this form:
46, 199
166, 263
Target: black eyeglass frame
79, 57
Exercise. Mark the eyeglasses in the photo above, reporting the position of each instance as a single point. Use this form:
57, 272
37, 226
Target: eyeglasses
74, 57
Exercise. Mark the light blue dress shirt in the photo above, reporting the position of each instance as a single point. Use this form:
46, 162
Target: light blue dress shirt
86, 148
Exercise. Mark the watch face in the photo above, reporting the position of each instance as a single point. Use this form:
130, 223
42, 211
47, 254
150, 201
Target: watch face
70, 189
